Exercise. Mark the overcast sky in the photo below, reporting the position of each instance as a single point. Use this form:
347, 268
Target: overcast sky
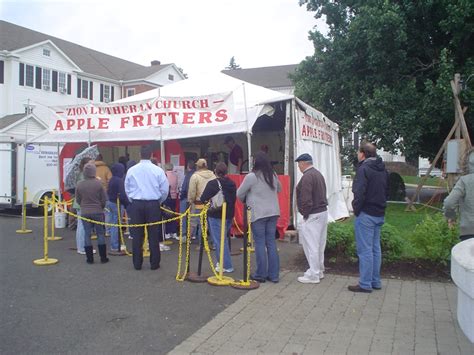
197, 35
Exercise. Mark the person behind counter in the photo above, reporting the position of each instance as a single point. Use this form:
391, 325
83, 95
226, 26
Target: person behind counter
236, 155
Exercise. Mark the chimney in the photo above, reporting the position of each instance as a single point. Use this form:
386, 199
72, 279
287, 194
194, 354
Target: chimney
155, 62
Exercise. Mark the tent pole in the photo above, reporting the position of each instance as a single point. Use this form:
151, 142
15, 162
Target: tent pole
59, 176
294, 113
249, 133
286, 162
162, 149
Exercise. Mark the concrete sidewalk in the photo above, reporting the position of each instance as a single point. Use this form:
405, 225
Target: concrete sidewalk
405, 317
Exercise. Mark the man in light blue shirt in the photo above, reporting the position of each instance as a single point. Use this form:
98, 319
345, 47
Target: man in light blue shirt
147, 187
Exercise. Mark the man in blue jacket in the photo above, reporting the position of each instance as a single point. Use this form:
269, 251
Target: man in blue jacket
370, 190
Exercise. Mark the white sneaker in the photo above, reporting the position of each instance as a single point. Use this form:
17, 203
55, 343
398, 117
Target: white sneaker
174, 236
306, 280
218, 269
83, 252
123, 247
164, 247
321, 275
167, 236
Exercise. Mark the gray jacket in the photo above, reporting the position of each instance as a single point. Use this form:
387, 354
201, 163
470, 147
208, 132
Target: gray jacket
256, 193
462, 197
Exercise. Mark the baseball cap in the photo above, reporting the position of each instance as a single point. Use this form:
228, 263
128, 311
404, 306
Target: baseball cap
304, 157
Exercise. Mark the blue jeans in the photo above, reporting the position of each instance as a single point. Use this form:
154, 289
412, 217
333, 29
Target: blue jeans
367, 234
268, 261
114, 231
99, 229
215, 230
80, 232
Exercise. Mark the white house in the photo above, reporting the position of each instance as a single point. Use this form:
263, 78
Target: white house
45, 70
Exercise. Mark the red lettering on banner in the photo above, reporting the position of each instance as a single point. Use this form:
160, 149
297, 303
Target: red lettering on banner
149, 116
160, 116
133, 108
188, 117
137, 120
116, 110
166, 104
173, 117
70, 112
221, 115
89, 124
103, 123
204, 103
69, 124
80, 122
205, 117
124, 121
186, 104
125, 109
59, 126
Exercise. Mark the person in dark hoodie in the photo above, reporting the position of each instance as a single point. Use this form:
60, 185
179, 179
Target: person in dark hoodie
91, 196
116, 190
370, 190
222, 182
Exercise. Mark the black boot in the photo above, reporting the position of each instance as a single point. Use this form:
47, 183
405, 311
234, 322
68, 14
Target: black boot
103, 253
89, 255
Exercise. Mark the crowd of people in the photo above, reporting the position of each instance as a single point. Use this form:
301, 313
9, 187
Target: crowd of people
143, 188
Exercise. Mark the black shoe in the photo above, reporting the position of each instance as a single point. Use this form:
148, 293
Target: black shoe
274, 281
377, 288
258, 279
89, 255
103, 253
357, 288
155, 267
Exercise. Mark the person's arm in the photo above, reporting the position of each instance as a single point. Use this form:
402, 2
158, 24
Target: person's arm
240, 158
122, 195
451, 203
359, 189
164, 187
78, 196
192, 188
211, 189
128, 185
243, 189
306, 196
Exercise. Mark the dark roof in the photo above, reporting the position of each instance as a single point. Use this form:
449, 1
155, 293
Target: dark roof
8, 120
14, 37
269, 77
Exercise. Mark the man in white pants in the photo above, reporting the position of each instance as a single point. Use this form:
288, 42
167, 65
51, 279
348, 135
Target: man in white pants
312, 204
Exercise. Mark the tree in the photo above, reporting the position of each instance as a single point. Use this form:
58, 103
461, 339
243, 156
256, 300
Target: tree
385, 68
232, 64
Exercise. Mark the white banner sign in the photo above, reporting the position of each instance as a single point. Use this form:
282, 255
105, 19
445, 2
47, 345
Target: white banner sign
199, 111
313, 126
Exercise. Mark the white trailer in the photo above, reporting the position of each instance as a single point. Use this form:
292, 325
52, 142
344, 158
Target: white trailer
41, 173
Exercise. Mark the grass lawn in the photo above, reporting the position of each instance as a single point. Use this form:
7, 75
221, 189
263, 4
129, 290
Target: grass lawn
430, 181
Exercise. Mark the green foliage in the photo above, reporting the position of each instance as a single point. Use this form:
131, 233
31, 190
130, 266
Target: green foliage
385, 68
341, 241
433, 239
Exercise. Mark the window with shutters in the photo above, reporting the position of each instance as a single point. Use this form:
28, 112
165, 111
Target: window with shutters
62, 82
2, 68
106, 93
85, 89
46, 79
29, 75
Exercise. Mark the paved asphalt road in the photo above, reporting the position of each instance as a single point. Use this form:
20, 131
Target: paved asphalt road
99, 308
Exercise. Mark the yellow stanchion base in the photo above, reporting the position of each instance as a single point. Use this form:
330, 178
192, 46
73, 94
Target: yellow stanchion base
250, 250
49, 261
168, 242
242, 285
23, 231
146, 253
217, 281
94, 237
55, 238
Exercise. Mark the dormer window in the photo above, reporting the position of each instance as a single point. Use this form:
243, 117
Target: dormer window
46, 52
171, 77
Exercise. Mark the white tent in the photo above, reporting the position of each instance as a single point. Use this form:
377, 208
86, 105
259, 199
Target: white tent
248, 102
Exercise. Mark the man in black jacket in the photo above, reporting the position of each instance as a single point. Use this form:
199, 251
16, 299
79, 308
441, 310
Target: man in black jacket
370, 190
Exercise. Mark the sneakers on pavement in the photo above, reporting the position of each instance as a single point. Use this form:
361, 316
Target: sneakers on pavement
164, 247
218, 269
83, 252
306, 280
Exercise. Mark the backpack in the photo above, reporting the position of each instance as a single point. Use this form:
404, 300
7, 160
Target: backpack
217, 200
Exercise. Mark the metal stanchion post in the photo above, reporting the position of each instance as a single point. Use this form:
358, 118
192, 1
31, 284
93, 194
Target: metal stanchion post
197, 277
53, 218
45, 260
23, 229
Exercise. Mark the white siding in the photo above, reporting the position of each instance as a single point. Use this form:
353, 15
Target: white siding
161, 78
